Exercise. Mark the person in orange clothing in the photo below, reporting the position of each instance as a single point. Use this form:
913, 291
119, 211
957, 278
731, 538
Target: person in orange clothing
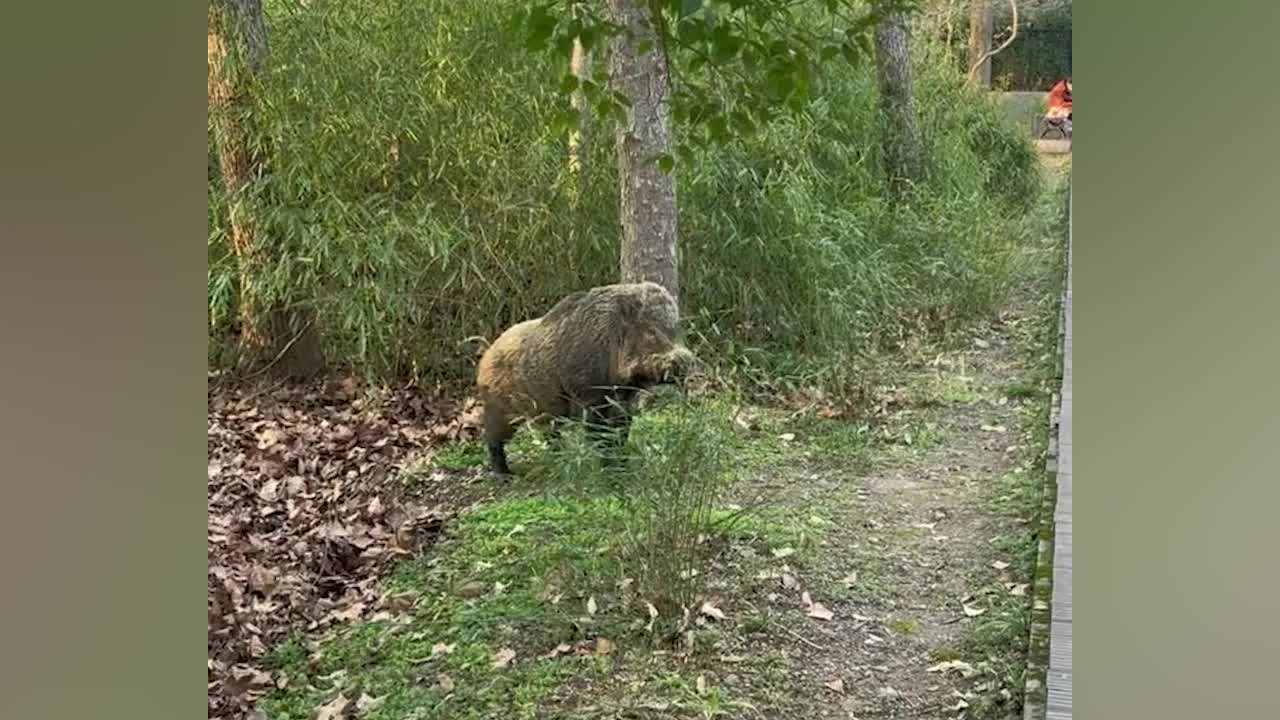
1058, 114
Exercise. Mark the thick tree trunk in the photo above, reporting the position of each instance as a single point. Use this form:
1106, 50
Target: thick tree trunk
900, 137
648, 195
580, 137
237, 46
981, 25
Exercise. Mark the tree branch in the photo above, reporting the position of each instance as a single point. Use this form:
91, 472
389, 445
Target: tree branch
1013, 5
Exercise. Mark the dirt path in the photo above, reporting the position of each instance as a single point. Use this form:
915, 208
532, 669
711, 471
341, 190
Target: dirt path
926, 560
909, 550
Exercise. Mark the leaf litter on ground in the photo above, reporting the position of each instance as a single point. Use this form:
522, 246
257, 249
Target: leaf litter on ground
307, 506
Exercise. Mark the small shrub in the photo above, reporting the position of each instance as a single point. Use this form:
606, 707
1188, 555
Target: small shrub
670, 479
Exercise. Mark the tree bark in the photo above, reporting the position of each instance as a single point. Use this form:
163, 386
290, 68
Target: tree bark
980, 29
580, 137
237, 47
900, 137
647, 194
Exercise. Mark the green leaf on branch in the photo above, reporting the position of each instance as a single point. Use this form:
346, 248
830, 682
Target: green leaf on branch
851, 54
779, 84
541, 24
689, 7
666, 163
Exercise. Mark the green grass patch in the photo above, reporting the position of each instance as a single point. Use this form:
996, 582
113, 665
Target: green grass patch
515, 574
1022, 391
945, 388
579, 562
905, 626
459, 456
944, 653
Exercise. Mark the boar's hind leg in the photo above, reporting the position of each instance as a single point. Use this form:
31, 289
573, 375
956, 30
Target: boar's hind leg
497, 431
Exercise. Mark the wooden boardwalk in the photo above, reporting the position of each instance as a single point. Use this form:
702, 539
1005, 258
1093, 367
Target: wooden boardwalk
1058, 678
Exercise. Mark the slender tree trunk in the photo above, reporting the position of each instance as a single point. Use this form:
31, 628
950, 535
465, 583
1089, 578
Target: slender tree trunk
648, 195
236, 50
900, 137
580, 137
237, 46
980, 30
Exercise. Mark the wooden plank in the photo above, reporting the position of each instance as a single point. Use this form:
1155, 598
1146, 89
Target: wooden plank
1052, 698
1058, 678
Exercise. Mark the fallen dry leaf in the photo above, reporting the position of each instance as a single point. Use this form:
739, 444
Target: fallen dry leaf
1000, 565
819, 611
964, 669
836, 685
712, 611
270, 491
1017, 589
973, 611
784, 552
787, 437
850, 580
472, 589
591, 605
270, 438
788, 582
701, 685
335, 709
557, 651
367, 703
604, 646
445, 683
442, 648
503, 657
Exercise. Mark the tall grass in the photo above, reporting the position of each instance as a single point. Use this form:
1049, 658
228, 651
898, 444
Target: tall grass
417, 196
